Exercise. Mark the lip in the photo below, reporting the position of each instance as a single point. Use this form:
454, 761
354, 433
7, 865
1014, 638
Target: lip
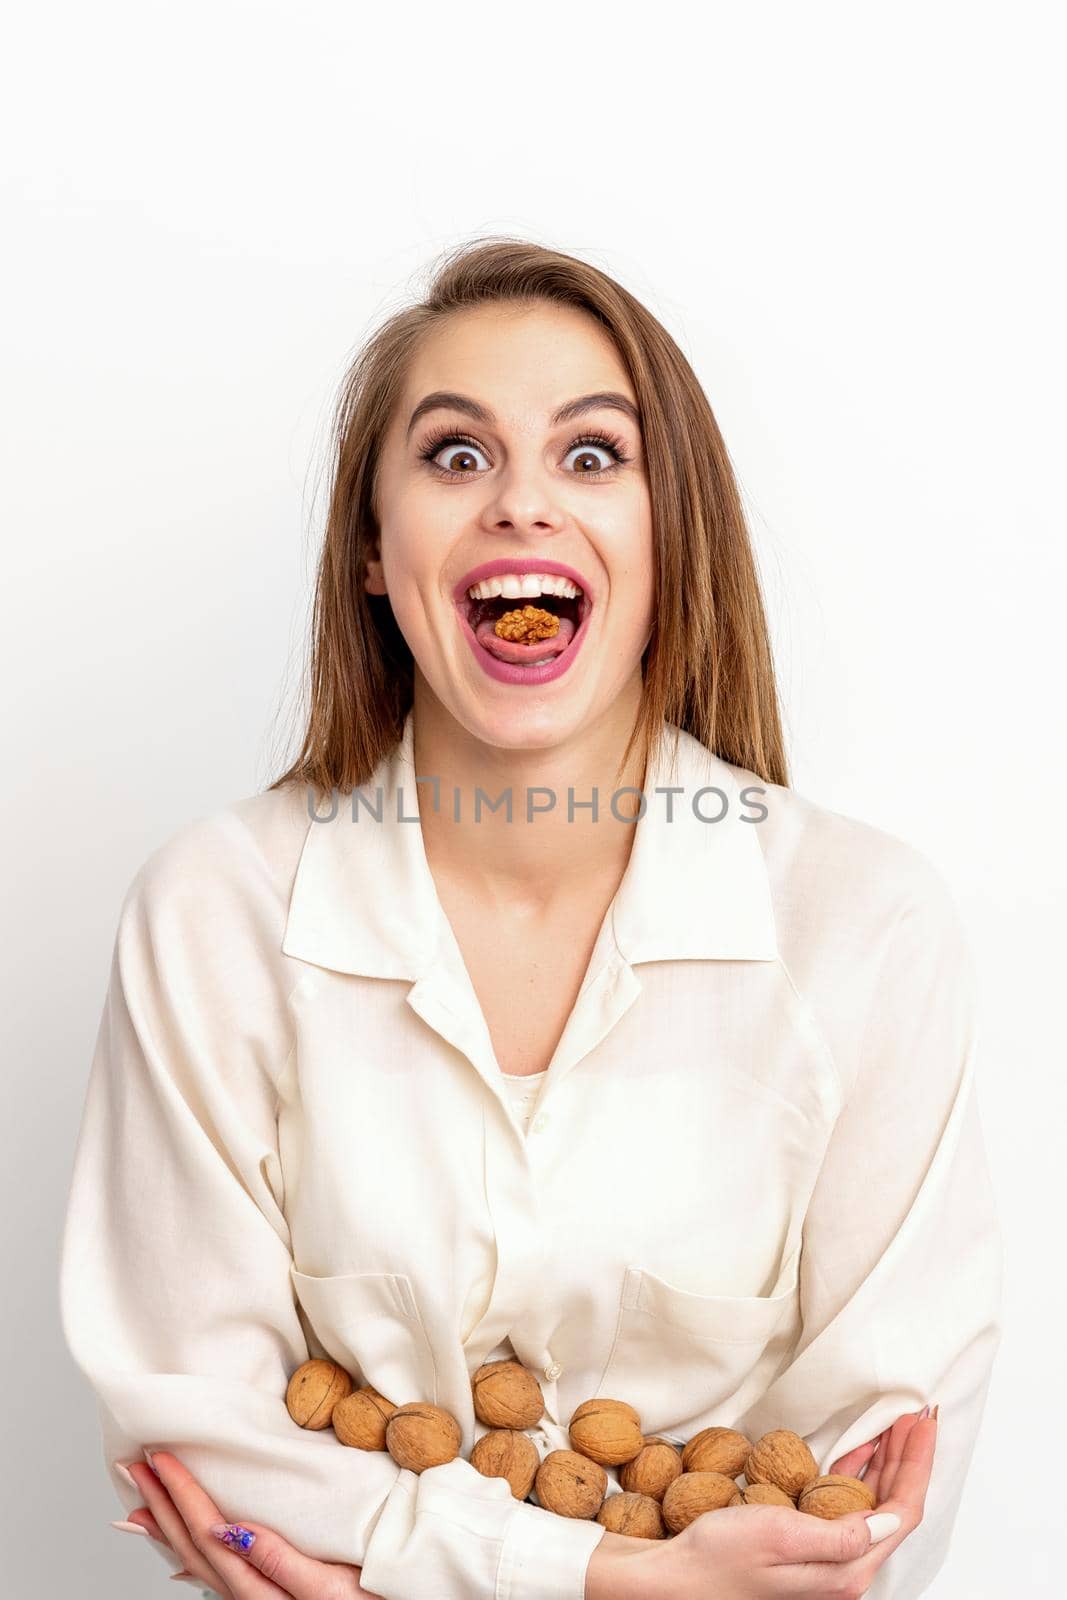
521, 565
502, 671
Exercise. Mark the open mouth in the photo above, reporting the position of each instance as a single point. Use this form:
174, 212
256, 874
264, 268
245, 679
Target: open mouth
478, 611
529, 629
523, 626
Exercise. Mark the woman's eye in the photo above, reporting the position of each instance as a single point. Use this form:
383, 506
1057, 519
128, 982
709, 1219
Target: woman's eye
589, 452
453, 453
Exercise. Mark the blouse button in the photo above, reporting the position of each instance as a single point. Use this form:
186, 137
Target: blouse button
552, 1371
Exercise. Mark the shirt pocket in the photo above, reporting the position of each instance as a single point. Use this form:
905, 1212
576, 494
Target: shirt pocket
370, 1324
677, 1355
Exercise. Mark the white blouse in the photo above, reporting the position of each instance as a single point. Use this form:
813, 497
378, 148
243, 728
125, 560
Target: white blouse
753, 1193
523, 1090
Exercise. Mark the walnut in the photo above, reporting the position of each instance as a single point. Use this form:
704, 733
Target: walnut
763, 1494
506, 1395
420, 1435
314, 1389
360, 1419
694, 1493
635, 1514
507, 1453
608, 1431
527, 625
781, 1457
835, 1495
653, 1468
717, 1450
570, 1484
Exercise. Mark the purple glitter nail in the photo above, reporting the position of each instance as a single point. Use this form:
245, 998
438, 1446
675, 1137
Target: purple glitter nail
232, 1534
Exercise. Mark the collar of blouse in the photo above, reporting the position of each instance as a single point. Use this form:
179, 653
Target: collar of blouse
364, 899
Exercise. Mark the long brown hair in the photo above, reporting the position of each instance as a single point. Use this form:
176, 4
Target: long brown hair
708, 665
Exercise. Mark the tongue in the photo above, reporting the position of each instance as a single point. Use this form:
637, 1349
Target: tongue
512, 650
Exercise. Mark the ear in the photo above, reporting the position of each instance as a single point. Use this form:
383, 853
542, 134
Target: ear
374, 582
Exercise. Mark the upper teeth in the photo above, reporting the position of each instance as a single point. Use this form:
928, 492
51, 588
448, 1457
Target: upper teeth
526, 585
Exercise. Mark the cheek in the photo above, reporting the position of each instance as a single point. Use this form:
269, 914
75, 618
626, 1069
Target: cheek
634, 581
416, 541
416, 622
422, 611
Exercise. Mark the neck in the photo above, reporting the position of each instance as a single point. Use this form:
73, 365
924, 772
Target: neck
538, 860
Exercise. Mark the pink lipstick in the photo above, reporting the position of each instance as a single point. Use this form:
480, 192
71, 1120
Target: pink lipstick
506, 661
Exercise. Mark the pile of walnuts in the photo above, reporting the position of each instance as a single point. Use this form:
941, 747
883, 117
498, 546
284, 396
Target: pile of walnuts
663, 1488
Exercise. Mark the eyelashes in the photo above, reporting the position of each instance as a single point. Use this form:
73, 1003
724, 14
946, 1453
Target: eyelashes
604, 441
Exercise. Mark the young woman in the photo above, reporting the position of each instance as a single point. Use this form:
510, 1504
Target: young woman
532, 1015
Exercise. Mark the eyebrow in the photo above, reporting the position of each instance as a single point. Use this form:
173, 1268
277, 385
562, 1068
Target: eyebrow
446, 400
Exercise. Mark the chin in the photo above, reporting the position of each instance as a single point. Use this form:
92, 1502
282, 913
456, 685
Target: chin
514, 727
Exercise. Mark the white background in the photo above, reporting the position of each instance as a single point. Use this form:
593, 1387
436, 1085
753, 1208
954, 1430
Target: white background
849, 216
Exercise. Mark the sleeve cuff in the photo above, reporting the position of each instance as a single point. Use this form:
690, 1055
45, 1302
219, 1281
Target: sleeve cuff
544, 1556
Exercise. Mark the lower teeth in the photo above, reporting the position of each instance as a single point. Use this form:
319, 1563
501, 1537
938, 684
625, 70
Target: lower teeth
526, 666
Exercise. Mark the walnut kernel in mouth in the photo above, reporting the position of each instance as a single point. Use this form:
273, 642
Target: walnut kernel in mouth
527, 625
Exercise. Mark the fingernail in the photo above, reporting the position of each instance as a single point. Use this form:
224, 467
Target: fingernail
925, 1412
232, 1534
882, 1524
936, 1409
151, 1463
120, 1466
131, 1527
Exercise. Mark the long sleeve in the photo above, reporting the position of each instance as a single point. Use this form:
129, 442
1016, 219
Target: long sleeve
176, 1299
901, 1263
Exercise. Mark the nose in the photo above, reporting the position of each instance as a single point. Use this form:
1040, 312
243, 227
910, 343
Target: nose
524, 501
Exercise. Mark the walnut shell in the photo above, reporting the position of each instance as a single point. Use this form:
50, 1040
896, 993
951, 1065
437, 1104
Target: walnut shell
653, 1469
835, 1495
506, 1395
507, 1453
420, 1435
608, 1431
717, 1450
781, 1457
635, 1514
360, 1418
694, 1493
570, 1484
764, 1494
314, 1389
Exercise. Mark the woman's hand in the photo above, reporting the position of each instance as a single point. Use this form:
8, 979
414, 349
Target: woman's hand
179, 1514
882, 1456
770, 1552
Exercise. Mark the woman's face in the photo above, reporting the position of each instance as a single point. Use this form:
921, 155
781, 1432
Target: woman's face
517, 488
